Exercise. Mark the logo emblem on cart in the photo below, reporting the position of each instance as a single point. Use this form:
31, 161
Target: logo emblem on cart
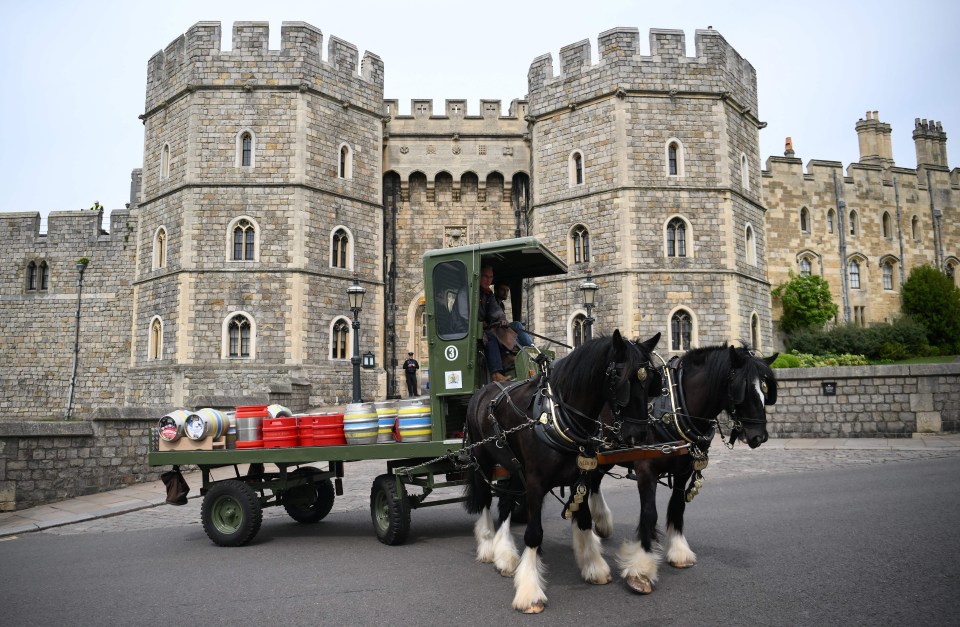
451, 353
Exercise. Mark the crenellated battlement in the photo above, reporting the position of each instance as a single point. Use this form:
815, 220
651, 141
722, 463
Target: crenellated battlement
622, 66
455, 109
80, 225
195, 61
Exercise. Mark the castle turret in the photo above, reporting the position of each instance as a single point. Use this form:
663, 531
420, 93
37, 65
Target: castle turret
876, 147
931, 143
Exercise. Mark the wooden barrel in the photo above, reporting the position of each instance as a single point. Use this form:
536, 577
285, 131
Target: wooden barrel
413, 418
386, 417
360, 424
170, 427
203, 423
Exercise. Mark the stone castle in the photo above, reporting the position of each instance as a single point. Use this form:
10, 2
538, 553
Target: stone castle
272, 179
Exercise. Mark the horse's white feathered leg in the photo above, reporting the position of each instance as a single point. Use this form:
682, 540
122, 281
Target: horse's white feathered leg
638, 567
528, 583
483, 532
589, 554
678, 552
602, 516
505, 556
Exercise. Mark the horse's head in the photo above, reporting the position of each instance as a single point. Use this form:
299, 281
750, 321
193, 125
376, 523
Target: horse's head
753, 386
631, 380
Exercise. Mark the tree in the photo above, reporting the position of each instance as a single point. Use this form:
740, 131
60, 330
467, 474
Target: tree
933, 300
807, 303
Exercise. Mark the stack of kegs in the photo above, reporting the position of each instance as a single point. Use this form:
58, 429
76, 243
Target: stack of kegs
386, 419
328, 430
281, 432
249, 420
360, 424
414, 423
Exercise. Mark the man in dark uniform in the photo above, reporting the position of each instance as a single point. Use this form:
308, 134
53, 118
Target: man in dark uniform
410, 368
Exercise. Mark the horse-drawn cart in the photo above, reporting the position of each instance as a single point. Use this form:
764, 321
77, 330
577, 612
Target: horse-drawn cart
232, 508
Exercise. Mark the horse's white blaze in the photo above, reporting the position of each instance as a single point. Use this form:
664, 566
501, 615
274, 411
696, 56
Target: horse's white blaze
528, 581
505, 556
759, 391
634, 561
589, 554
483, 532
602, 516
677, 549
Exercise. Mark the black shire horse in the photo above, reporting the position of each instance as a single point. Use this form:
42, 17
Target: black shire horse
703, 383
540, 430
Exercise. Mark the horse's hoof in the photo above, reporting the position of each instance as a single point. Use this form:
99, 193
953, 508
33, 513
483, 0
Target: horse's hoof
505, 573
601, 581
640, 584
682, 564
536, 608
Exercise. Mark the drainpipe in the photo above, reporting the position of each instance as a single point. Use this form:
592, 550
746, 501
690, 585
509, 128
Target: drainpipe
937, 215
896, 195
841, 225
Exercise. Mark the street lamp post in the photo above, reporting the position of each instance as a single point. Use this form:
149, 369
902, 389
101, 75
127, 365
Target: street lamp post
589, 289
81, 266
355, 294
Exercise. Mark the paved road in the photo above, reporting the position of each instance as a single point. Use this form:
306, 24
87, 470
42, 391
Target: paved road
784, 537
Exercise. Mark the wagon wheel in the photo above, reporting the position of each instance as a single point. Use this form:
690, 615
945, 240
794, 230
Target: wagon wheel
309, 502
390, 512
231, 513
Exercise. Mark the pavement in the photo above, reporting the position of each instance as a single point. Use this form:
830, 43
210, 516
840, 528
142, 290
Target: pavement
780, 452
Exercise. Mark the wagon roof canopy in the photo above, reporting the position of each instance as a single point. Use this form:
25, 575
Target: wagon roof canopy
512, 259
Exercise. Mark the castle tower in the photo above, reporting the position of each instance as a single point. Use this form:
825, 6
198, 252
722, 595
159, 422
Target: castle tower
875, 145
259, 202
653, 161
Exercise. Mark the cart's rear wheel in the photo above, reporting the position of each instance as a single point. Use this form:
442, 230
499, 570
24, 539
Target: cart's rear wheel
231, 513
311, 502
389, 510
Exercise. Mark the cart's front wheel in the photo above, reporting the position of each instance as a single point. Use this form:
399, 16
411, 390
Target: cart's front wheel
390, 510
231, 513
310, 502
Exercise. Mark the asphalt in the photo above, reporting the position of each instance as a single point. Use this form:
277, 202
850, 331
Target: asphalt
147, 495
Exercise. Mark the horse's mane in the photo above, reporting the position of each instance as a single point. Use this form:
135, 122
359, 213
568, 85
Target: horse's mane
717, 364
585, 367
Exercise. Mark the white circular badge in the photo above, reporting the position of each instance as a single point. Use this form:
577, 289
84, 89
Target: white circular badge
451, 353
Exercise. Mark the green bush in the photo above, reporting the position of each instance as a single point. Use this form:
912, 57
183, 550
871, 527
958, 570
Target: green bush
786, 360
931, 297
830, 359
904, 337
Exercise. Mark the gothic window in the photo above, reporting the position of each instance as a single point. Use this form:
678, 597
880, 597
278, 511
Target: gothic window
672, 160
576, 168
675, 157
165, 161
887, 275
339, 339
755, 331
854, 272
580, 240
804, 220
345, 167
854, 224
885, 221
915, 228
44, 271
160, 249
31, 276
246, 148
155, 343
952, 271
681, 330
579, 329
340, 255
244, 240
830, 221
751, 246
239, 336
805, 266
677, 238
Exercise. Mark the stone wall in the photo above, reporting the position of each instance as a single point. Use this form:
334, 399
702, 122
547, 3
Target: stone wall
870, 401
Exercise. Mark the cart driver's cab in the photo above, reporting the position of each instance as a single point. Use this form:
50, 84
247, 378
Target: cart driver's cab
454, 333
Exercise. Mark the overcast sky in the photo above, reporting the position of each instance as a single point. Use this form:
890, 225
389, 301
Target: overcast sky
74, 74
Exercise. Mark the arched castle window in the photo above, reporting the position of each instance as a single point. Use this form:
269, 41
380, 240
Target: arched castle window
681, 330
804, 220
32, 276
160, 249
675, 157
853, 269
339, 338
576, 168
755, 331
750, 242
341, 252
744, 172
915, 228
165, 162
345, 167
580, 244
155, 341
44, 271
244, 240
676, 238
887, 270
805, 267
854, 223
578, 329
830, 217
246, 149
239, 336
885, 222
951, 270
